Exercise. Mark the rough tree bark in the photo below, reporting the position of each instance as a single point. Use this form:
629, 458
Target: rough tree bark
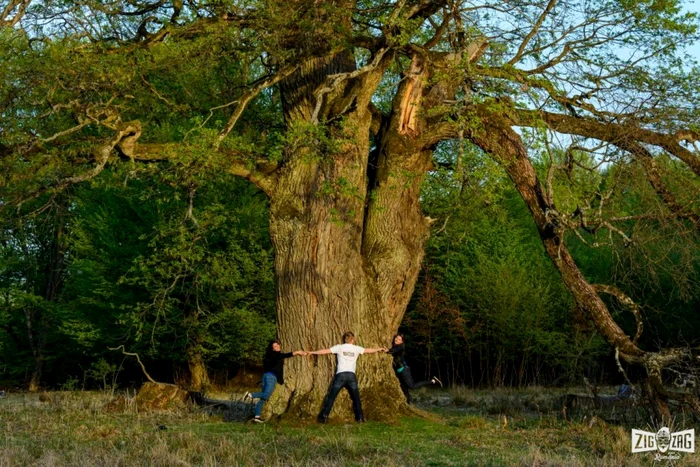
347, 258
325, 283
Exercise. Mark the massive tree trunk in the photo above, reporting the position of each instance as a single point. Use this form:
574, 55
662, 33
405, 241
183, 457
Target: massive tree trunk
349, 239
341, 269
324, 288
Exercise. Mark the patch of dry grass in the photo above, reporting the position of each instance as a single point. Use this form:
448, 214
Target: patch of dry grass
78, 428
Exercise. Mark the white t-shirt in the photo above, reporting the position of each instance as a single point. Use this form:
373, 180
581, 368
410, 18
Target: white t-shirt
347, 356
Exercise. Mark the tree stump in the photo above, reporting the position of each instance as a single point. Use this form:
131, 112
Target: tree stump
161, 396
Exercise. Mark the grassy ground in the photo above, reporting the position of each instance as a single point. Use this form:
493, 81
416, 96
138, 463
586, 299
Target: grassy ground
472, 428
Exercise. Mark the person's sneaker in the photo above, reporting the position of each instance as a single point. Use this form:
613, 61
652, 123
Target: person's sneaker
247, 396
322, 419
361, 420
258, 420
436, 381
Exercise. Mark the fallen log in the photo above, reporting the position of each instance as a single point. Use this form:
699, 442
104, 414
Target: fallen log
611, 408
231, 410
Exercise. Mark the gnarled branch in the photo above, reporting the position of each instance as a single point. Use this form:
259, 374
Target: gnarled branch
250, 95
132, 354
101, 157
19, 7
628, 302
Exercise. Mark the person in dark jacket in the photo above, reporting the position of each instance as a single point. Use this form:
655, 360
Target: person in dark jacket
273, 373
403, 372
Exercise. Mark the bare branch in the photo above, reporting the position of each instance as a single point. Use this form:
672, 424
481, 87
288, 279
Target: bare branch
252, 93
654, 177
155, 91
532, 33
190, 205
620, 369
67, 132
132, 354
550, 174
439, 31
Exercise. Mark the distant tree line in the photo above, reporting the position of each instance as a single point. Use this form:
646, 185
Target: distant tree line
176, 265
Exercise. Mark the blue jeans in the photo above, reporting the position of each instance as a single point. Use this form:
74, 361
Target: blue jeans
342, 380
269, 381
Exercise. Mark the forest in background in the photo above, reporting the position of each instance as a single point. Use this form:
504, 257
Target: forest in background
176, 266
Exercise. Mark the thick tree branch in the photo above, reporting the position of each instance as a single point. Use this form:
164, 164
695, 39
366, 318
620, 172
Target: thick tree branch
251, 94
138, 359
333, 82
617, 134
260, 172
19, 7
505, 145
626, 136
628, 302
102, 155
654, 177
526, 79
424, 9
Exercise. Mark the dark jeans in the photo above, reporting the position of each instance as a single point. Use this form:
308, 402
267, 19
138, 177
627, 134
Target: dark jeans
342, 380
406, 380
269, 381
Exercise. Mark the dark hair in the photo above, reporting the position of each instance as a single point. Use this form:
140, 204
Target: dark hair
347, 336
393, 339
269, 349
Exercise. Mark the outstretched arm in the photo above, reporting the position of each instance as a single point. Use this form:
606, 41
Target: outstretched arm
319, 352
299, 352
381, 349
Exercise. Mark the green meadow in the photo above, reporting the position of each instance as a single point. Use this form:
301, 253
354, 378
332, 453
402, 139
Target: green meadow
460, 427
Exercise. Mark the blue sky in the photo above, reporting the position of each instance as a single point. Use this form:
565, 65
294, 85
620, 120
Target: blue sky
694, 6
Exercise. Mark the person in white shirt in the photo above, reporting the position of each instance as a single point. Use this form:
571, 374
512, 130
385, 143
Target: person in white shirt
347, 354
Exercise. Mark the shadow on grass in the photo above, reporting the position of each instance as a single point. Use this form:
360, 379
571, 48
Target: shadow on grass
236, 410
